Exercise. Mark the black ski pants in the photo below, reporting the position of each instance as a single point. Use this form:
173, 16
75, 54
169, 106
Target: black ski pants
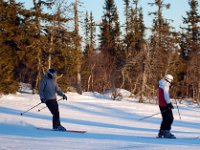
53, 107
167, 118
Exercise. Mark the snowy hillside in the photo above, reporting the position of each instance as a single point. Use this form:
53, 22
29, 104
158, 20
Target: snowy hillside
110, 125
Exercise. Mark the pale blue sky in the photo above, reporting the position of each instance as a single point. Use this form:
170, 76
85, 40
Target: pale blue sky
177, 10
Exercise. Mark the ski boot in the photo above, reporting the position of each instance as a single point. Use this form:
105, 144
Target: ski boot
60, 128
168, 135
161, 134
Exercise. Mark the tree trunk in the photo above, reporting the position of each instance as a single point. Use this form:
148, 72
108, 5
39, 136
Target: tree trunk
78, 47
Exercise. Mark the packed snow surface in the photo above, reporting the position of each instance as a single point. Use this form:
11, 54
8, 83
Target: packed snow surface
110, 125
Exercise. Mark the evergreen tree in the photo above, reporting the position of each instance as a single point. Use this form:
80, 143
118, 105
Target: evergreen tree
192, 36
10, 26
87, 30
158, 21
133, 70
127, 15
138, 26
92, 34
34, 42
89, 53
60, 48
160, 40
164, 53
109, 29
134, 36
190, 44
90, 29
109, 45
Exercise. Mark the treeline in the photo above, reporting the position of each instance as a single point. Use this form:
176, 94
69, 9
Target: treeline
118, 56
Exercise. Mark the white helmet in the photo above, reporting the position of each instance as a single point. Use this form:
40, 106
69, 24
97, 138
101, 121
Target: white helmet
169, 78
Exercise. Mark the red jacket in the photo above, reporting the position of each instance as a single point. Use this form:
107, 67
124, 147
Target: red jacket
161, 98
163, 93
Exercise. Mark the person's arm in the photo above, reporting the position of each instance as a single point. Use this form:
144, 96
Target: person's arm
41, 89
167, 97
166, 94
59, 91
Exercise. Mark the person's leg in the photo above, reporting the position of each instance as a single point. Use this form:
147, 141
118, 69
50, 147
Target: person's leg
163, 123
169, 122
53, 107
164, 113
169, 119
166, 123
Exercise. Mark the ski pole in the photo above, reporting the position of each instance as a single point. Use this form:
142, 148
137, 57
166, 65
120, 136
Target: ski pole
152, 115
149, 116
177, 105
30, 109
46, 106
178, 109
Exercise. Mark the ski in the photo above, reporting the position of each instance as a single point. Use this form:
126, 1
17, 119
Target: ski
74, 131
192, 138
165, 138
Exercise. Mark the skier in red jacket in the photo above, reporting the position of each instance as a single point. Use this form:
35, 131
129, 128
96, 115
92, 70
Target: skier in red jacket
166, 107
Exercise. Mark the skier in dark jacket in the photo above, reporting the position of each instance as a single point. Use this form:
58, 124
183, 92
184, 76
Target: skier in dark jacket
48, 89
166, 107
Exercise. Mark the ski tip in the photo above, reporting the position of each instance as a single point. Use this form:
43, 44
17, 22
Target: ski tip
76, 131
73, 131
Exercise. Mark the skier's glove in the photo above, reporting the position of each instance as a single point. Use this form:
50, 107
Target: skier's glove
43, 100
64, 97
170, 106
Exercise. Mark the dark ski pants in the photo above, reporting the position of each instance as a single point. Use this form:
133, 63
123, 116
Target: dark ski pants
53, 107
167, 118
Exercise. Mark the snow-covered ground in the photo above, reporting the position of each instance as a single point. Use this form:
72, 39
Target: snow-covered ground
110, 125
